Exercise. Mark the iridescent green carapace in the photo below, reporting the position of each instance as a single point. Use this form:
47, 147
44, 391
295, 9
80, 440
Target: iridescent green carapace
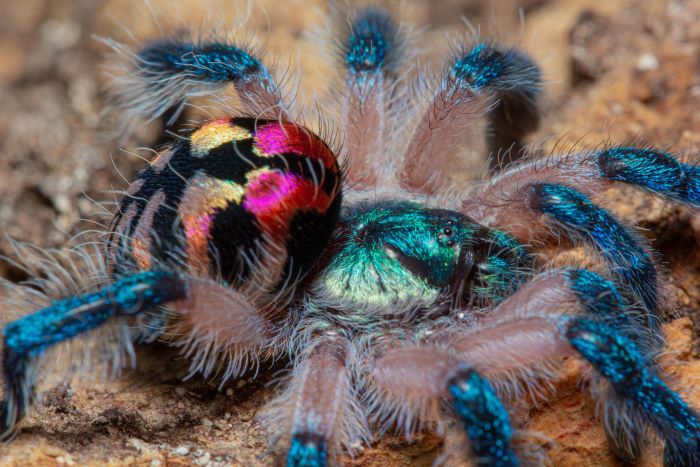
392, 252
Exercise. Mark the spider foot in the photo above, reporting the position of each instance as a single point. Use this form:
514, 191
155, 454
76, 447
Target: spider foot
484, 417
27, 339
652, 170
646, 396
307, 450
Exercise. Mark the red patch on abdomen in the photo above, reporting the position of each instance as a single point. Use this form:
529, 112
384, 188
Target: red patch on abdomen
274, 198
279, 138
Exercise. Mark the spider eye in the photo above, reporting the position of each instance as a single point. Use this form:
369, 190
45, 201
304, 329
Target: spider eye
446, 237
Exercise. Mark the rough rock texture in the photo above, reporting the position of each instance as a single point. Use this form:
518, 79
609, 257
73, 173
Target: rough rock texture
616, 71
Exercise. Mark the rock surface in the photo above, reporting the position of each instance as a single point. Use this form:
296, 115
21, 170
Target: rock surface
616, 71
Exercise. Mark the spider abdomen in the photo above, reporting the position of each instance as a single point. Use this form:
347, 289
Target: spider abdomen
239, 197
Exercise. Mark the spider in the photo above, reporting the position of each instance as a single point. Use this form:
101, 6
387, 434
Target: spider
400, 300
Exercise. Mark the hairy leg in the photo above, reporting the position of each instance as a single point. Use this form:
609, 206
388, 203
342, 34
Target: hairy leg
554, 193
27, 338
576, 291
166, 73
529, 329
409, 384
319, 405
590, 173
371, 49
551, 207
215, 325
484, 81
523, 321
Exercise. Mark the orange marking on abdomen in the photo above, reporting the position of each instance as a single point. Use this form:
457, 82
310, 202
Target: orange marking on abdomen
214, 134
141, 238
202, 198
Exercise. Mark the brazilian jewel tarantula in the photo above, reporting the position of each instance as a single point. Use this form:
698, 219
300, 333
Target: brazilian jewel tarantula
402, 301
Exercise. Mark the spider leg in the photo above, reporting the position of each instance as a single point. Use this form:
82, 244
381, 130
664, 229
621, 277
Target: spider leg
217, 324
573, 290
166, 73
652, 170
557, 292
485, 419
560, 189
407, 377
320, 405
29, 337
501, 84
409, 383
530, 328
540, 206
514, 336
371, 47
618, 360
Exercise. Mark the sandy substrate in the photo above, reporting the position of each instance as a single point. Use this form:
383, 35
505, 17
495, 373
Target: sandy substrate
616, 71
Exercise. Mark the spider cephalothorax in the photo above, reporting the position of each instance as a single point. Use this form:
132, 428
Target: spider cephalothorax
391, 252
400, 304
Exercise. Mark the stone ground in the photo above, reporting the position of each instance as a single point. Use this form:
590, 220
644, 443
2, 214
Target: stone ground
616, 71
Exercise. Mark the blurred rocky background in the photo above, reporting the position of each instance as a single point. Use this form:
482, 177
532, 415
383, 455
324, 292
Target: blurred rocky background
616, 71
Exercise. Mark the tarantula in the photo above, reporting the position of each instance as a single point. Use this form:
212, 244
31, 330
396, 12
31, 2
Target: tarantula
402, 301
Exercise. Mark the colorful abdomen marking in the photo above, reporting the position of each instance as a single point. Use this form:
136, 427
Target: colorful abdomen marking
239, 196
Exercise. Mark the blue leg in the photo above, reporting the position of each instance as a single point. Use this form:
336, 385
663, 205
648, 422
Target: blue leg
166, 73
652, 170
372, 44
626, 251
195, 67
517, 83
29, 337
601, 299
370, 49
598, 295
307, 450
499, 84
484, 418
618, 360
214, 62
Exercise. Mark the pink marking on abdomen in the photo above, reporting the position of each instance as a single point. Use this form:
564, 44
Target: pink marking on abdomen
279, 138
275, 197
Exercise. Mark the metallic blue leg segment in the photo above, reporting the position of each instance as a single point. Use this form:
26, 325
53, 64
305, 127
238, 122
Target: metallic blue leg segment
602, 300
30, 336
307, 450
371, 45
484, 417
621, 247
598, 295
652, 170
617, 359
517, 82
213, 62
